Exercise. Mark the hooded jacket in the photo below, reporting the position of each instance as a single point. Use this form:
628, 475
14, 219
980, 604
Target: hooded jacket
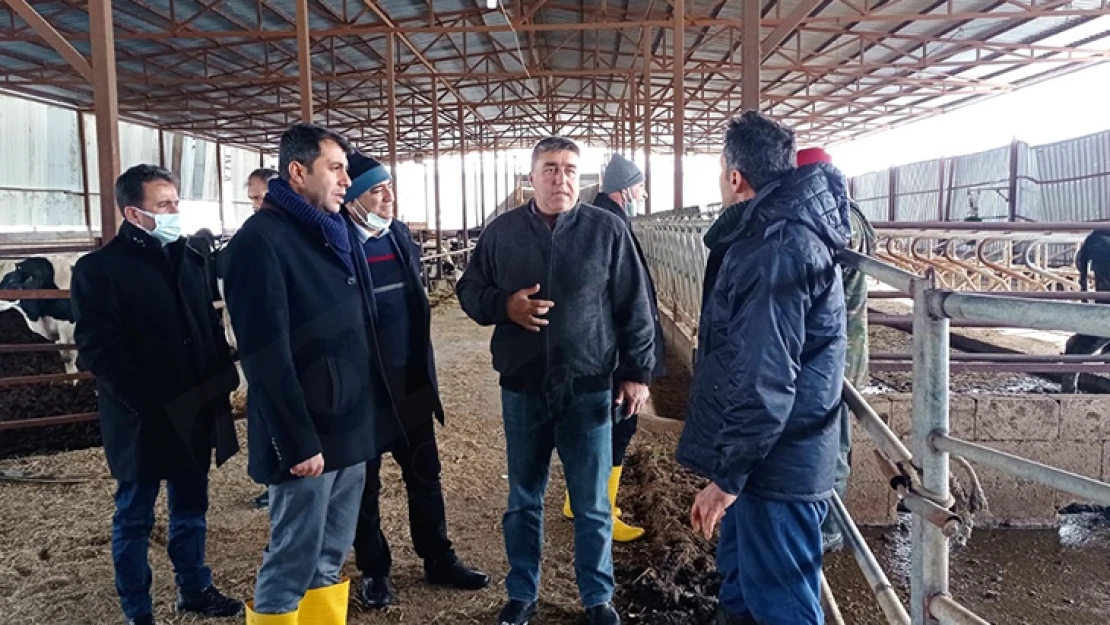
765, 399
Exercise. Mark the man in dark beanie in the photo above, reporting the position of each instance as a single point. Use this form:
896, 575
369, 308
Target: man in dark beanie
403, 325
299, 295
622, 193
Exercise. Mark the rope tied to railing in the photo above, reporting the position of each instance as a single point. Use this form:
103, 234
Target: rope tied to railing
969, 503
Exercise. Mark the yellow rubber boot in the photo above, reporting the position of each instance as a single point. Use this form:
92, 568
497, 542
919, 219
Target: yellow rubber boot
566, 507
289, 618
622, 532
327, 605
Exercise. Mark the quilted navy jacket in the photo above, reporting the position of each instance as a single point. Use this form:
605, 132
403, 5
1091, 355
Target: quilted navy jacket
764, 406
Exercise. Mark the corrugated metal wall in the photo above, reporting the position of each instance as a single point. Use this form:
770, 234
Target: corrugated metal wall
1061, 182
41, 186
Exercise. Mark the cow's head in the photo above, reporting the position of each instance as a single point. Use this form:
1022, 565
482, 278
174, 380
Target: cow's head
33, 274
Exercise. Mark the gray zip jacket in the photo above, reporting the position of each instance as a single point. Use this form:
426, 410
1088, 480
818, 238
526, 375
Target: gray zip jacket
587, 265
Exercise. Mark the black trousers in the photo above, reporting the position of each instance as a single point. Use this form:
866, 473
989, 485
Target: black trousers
418, 458
623, 431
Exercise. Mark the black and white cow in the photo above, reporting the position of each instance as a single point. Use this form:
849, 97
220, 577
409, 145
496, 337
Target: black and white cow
51, 319
1093, 256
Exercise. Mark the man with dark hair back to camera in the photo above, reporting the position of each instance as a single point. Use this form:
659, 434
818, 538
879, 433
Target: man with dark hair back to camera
298, 292
764, 416
147, 329
556, 355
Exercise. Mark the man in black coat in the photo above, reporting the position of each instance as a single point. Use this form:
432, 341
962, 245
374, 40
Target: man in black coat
404, 334
622, 193
147, 329
300, 298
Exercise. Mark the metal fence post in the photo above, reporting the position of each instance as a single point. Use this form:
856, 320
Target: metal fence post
930, 413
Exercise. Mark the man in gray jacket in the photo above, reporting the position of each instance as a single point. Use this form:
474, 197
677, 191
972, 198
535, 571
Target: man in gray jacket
556, 355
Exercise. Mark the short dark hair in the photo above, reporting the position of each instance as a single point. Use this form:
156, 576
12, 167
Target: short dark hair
554, 144
301, 144
760, 148
263, 174
129, 186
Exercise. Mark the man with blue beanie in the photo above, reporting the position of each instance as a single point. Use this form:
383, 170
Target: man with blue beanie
403, 322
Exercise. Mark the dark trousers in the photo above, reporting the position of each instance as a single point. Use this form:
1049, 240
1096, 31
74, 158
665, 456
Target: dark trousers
131, 527
623, 431
418, 457
769, 557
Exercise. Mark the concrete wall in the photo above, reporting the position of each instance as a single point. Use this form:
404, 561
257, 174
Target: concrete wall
1071, 432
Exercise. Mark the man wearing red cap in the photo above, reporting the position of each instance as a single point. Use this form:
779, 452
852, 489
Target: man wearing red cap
855, 369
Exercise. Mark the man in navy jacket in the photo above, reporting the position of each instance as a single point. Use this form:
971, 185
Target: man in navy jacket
765, 402
403, 323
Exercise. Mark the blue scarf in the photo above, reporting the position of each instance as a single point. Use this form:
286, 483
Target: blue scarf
333, 227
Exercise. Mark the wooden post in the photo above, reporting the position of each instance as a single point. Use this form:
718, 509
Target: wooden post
304, 60
1015, 154
85, 171
391, 89
106, 105
480, 214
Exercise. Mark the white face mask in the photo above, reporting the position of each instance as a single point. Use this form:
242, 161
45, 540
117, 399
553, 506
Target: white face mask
631, 206
373, 220
167, 226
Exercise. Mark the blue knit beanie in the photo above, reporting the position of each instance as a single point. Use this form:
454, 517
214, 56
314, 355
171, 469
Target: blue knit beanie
365, 172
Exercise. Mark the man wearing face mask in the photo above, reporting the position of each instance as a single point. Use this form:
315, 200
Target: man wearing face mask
622, 193
147, 329
299, 293
404, 334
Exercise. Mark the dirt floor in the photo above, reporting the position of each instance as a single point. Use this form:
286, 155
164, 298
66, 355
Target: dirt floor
55, 564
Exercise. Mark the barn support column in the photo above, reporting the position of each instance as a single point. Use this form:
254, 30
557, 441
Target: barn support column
106, 105
391, 90
750, 55
85, 186
304, 60
679, 54
435, 168
645, 41
462, 165
220, 187
480, 213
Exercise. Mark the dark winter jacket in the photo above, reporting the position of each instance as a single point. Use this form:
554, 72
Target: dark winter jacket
304, 327
147, 329
588, 266
604, 201
765, 399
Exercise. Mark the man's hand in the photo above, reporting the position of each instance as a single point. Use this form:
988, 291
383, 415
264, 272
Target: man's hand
632, 396
313, 467
526, 312
709, 507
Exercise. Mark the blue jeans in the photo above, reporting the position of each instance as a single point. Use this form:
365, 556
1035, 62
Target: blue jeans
581, 430
131, 526
769, 557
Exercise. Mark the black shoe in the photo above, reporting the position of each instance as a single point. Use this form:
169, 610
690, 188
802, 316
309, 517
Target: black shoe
376, 592
209, 602
262, 501
516, 612
603, 614
454, 574
141, 620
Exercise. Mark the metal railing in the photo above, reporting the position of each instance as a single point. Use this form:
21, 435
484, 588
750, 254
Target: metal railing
919, 474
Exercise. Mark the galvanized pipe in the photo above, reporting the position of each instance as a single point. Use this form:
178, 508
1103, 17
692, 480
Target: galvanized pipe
929, 573
947, 612
885, 438
1090, 490
883, 272
888, 600
1089, 319
1094, 296
832, 609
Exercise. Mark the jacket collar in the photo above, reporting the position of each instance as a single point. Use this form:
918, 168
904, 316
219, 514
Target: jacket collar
736, 219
